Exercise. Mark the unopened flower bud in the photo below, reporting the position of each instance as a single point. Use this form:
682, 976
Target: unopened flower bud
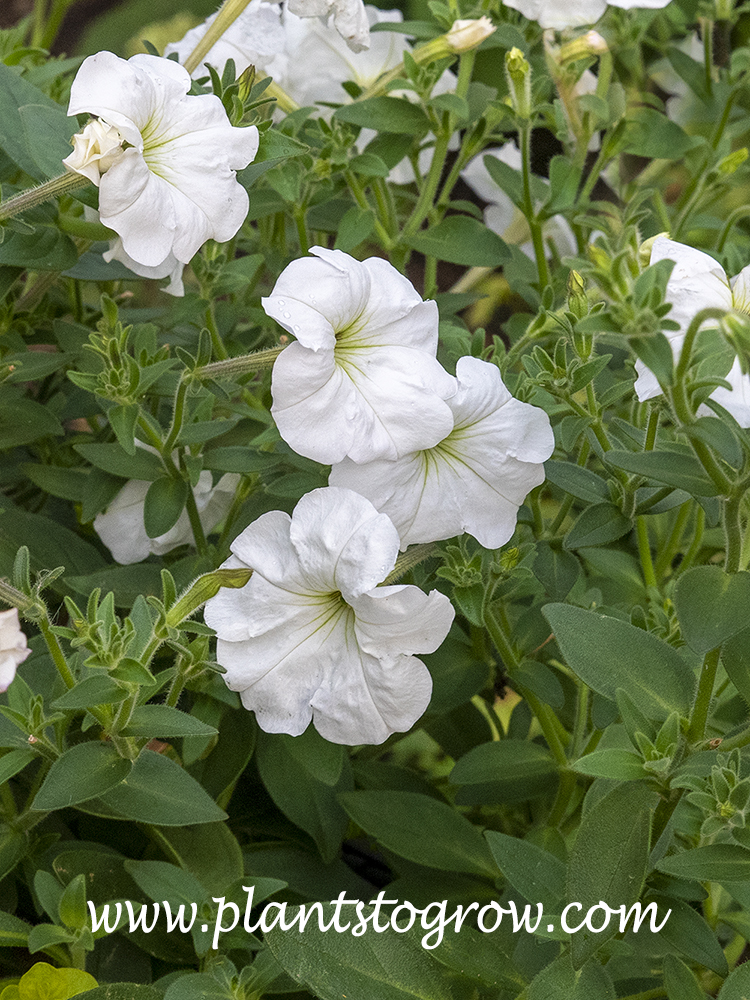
518, 73
578, 302
590, 44
644, 250
467, 34
733, 161
736, 328
94, 150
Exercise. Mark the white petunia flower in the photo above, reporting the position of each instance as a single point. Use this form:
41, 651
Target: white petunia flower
170, 268
349, 18
121, 526
254, 39
362, 380
699, 282
312, 636
475, 479
173, 185
573, 13
13, 647
502, 216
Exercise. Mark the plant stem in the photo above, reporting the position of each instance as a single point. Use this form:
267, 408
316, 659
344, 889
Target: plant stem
732, 523
665, 558
699, 716
43, 192
529, 210
229, 11
692, 552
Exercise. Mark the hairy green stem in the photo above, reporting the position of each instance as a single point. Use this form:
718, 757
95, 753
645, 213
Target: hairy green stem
644, 551
38, 195
699, 715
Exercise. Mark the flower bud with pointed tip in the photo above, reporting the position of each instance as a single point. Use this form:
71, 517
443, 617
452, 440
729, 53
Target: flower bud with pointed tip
644, 250
518, 73
467, 34
590, 44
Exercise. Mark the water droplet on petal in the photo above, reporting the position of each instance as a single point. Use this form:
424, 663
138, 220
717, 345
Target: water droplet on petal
287, 315
282, 303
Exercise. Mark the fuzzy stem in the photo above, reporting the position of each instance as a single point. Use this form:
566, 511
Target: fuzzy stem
228, 13
699, 715
43, 192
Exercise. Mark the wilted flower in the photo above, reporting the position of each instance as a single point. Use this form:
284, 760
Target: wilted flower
173, 185
13, 647
574, 13
312, 636
700, 282
475, 479
254, 39
121, 526
502, 216
362, 380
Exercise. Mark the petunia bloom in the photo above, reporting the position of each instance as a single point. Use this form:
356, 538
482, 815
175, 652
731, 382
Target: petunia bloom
475, 479
574, 13
312, 636
121, 526
173, 184
700, 282
13, 647
254, 39
362, 380
349, 18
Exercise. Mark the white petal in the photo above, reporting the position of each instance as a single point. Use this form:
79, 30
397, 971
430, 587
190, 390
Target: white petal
13, 647
169, 268
121, 526
349, 18
343, 543
554, 14
697, 282
372, 699
737, 399
474, 480
402, 619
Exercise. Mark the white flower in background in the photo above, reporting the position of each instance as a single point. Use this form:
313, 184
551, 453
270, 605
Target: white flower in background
502, 216
362, 380
121, 526
312, 636
699, 282
684, 106
475, 479
574, 13
13, 647
173, 186
349, 18
253, 39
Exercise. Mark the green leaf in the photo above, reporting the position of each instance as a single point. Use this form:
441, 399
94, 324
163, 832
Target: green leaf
369, 165
209, 851
98, 689
17, 92
164, 503
607, 654
609, 858
688, 932
679, 981
303, 775
69, 484
533, 872
355, 227
737, 984
478, 957
560, 981
421, 829
45, 936
159, 792
506, 771
622, 765
83, 772
160, 880
712, 606
459, 239
24, 420
13, 762
122, 420
556, 571
578, 481
711, 863
47, 131
671, 467
599, 524
735, 655
651, 134
164, 721
656, 353
125, 582
114, 459
276, 145
385, 966
13, 932
46, 249
43, 982
386, 114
